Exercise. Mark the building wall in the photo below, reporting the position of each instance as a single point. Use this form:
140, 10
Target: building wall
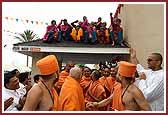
143, 26
36, 57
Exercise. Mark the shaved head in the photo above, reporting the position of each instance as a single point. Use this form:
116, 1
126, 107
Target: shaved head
158, 57
76, 73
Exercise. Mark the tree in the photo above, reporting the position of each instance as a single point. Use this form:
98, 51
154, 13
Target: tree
26, 36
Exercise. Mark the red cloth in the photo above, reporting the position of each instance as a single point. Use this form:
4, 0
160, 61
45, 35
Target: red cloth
50, 28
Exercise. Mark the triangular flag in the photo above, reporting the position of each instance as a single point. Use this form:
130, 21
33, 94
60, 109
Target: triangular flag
17, 19
41, 23
11, 18
46, 23
27, 21
36, 22
6, 18
32, 22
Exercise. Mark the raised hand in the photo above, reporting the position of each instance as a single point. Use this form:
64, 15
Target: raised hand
132, 53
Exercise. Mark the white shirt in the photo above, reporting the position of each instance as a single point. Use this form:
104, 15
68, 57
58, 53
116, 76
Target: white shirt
152, 87
11, 93
22, 90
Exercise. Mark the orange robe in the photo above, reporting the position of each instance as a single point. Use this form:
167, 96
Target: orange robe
55, 106
96, 90
102, 80
71, 96
109, 83
62, 76
74, 34
85, 83
117, 101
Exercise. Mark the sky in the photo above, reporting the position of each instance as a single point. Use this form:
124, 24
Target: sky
25, 15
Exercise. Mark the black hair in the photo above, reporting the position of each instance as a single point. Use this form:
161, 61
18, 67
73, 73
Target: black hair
119, 20
99, 18
96, 74
53, 21
14, 71
7, 77
36, 78
23, 76
87, 68
65, 20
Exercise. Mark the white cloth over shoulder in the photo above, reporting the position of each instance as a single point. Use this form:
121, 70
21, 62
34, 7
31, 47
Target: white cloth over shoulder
152, 87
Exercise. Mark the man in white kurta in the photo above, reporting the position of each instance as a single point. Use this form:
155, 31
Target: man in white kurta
152, 82
152, 87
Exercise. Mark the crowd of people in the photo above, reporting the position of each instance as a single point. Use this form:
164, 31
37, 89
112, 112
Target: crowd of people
83, 31
122, 86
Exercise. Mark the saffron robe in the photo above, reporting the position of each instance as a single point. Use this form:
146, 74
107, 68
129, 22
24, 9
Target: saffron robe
71, 96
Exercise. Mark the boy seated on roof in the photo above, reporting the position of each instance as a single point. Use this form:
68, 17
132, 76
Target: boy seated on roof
51, 33
77, 31
65, 30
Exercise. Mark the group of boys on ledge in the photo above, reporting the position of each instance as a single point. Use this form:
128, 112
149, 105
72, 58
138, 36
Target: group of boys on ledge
94, 32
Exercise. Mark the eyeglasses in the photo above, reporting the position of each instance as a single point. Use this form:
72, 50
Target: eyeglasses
149, 60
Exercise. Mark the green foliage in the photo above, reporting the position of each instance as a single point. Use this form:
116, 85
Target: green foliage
26, 36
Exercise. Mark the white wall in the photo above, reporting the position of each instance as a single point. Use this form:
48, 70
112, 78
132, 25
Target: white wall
144, 28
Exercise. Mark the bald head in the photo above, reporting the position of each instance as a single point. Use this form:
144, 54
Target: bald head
158, 57
75, 73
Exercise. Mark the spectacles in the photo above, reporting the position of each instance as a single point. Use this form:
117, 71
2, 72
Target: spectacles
149, 60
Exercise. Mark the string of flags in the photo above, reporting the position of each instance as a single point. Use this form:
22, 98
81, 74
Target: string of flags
26, 20
10, 32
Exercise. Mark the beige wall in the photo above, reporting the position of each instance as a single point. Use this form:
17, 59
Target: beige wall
36, 57
143, 26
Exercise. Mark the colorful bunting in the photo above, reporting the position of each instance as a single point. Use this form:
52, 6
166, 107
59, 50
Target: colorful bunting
26, 20
17, 20
32, 22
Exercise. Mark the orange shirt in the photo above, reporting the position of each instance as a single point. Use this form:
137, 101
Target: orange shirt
71, 96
